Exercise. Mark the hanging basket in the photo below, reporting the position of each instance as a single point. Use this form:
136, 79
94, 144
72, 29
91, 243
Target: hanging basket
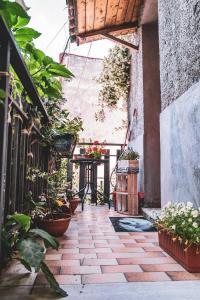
64, 145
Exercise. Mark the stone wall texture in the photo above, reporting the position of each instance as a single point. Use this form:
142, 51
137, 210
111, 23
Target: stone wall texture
179, 33
136, 108
180, 144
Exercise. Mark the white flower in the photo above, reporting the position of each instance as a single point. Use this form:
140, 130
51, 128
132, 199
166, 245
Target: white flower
195, 213
190, 220
173, 227
195, 225
190, 204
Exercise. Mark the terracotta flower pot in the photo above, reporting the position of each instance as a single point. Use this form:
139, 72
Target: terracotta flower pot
189, 259
55, 227
74, 204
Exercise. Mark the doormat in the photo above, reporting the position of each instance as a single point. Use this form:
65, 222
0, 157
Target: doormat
132, 224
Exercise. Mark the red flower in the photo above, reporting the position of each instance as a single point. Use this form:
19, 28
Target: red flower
103, 151
96, 143
94, 148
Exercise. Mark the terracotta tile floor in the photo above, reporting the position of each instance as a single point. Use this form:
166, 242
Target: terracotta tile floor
92, 252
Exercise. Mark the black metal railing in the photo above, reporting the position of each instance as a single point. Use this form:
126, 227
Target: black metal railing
20, 138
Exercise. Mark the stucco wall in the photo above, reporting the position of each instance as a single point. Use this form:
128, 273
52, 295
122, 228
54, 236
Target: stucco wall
180, 144
179, 33
136, 108
82, 100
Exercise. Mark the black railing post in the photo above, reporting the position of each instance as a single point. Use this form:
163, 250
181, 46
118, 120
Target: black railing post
107, 175
4, 86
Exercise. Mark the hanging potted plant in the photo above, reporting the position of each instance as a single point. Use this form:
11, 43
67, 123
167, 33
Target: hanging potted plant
62, 134
128, 161
179, 234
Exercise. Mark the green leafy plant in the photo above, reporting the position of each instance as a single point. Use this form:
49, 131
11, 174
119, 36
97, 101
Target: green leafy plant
20, 242
44, 71
182, 221
115, 77
50, 203
129, 154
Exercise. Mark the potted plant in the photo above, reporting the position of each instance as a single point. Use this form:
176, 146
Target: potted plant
62, 134
179, 233
96, 150
22, 242
128, 161
49, 213
73, 200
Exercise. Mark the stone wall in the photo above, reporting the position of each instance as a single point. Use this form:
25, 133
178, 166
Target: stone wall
179, 33
136, 108
180, 144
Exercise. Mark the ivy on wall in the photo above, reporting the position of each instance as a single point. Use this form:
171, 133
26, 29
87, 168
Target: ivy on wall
115, 77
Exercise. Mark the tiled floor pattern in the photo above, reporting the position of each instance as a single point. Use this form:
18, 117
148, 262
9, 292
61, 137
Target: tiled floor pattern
92, 252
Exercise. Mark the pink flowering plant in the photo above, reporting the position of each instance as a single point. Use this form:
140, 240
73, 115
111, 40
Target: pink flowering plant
96, 150
182, 220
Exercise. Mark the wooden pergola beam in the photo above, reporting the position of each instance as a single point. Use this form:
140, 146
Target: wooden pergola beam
125, 26
120, 41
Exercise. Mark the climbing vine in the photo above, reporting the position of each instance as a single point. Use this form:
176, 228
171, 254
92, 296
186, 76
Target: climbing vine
115, 77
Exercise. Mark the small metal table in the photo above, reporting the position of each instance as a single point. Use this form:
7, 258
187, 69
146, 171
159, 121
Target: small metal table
90, 164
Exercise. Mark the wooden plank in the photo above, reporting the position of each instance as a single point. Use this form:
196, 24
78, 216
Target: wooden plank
116, 28
120, 42
121, 14
136, 10
100, 13
130, 10
90, 15
111, 13
81, 15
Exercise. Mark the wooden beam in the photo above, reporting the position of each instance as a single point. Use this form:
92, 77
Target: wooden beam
120, 41
130, 25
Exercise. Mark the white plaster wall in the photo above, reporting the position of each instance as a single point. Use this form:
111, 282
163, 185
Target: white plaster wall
180, 149
82, 100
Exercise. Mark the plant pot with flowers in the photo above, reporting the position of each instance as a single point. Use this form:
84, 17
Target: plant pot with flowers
49, 213
179, 234
128, 161
96, 150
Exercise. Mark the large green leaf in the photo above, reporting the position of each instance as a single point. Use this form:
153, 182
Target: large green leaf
21, 22
52, 242
31, 252
26, 34
23, 220
60, 70
16, 9
52, 281
11, 11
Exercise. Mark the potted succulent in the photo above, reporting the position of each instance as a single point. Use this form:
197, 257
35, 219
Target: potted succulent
22, 242
179, 233
128, 161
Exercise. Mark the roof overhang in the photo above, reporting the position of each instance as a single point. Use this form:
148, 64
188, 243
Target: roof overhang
92, 20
